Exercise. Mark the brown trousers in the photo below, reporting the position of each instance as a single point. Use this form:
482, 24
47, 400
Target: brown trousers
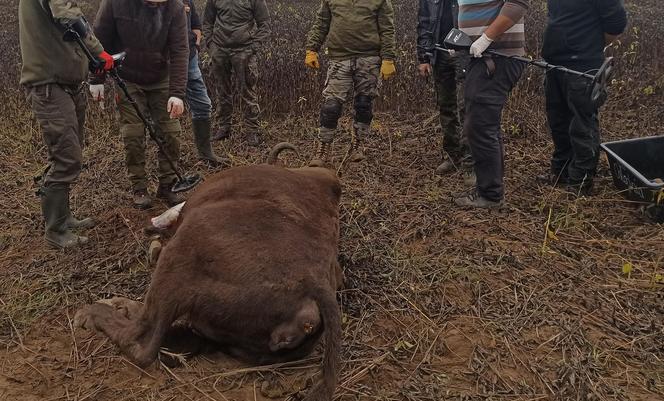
60, 111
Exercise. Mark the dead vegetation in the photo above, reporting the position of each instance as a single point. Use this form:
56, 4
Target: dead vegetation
557, 298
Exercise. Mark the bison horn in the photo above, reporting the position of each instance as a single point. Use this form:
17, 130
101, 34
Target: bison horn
277, 149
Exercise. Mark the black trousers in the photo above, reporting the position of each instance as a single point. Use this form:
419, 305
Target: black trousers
486, 93
574, 125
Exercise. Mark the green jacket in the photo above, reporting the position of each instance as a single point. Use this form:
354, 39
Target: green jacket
46, 58
354, 28
233, 24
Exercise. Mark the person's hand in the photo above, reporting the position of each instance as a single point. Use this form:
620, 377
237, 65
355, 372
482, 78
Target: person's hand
424, 69
480, 45
103, 63
311, 60
175, 106
97, 92
387, 69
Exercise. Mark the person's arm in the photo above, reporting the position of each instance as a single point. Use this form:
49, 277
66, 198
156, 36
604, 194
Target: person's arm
209, 17
511, 13
386, 31
262, 19
66, 12
195, 23
178, 51
321, 27
614, 18
425, 22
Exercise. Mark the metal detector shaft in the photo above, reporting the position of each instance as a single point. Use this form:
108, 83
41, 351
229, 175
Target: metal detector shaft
147, 121
536, 63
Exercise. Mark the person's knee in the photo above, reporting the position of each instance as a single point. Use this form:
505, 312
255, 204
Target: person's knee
330, 113
363, 109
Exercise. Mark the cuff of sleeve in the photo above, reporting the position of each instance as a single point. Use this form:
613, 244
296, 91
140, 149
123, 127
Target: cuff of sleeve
93, 44
514, 10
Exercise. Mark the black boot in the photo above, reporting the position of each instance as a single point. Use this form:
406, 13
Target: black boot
55, 208
201, 130
171, 198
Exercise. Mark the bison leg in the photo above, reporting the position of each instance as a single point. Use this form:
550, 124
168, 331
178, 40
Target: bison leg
136, 329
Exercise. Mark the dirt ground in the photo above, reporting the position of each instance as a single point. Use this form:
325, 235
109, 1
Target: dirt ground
556, 297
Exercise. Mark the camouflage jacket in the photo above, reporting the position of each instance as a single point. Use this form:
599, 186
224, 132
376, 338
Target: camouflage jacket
235, 24
354, 28
46, 57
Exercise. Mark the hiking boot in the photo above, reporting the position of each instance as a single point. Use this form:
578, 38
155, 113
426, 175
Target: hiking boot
445, 167
254, 138
474, 199
171, 198
141, 199
555, 180
55, 208
360, 131
322, 154
221, 134
201, 130
469, 178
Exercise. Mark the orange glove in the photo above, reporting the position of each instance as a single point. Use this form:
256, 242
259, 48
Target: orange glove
387, 69
311, 60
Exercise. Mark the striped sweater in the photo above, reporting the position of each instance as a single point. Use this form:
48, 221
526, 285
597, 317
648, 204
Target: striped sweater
476, 15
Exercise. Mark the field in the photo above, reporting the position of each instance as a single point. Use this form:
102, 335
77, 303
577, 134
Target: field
557, 297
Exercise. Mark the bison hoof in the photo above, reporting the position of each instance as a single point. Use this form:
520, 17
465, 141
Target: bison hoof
126, 307
84, 318
153, 252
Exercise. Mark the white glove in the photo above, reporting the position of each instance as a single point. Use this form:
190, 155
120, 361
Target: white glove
175, 106
480, 45
97, 92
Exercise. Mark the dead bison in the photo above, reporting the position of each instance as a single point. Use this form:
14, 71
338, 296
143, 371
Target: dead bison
252, 266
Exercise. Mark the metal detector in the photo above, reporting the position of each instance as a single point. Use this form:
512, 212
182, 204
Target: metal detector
183, 183
458, 40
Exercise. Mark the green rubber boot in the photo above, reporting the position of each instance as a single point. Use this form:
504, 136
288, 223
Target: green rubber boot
55, 208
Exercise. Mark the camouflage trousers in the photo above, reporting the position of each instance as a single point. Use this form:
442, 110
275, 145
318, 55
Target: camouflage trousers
358, 76
243, 64
60, 111
449, 75
152, 101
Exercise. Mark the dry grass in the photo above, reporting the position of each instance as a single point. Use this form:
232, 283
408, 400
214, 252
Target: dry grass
440, 303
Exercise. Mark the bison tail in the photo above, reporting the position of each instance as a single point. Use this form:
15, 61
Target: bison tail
329, 310
277, 149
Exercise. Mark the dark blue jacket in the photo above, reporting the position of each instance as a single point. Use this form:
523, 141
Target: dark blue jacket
574, 34
430, 26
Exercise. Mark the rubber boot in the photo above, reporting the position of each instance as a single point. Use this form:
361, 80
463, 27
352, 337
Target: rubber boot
360, 131
201, 130
171, 198
55, 208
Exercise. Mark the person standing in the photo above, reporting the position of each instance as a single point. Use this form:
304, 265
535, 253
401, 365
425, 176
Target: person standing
362, 49
53, 73
234, 33
575, 37
197, 95
495, 25
435, 20
153, 33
